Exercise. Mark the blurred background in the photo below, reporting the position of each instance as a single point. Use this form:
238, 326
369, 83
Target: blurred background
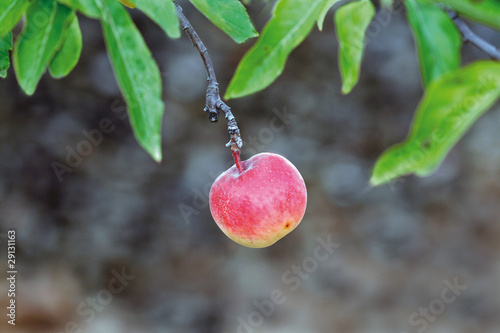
119, 243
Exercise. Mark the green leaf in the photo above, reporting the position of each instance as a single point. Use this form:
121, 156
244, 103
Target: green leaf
230, 16
5, 47
163, 13
448, 109
128, 3
86, 7
437, 39
10, 13
46, 23
326, 7
483, 11
137, 74
351, 22
292, 21
67, 57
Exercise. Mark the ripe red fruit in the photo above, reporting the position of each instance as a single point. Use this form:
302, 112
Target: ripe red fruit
258, 201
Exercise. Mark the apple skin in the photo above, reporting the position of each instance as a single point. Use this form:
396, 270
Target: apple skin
260, 205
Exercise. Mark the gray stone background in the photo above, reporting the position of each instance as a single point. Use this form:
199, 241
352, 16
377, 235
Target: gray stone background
399, 246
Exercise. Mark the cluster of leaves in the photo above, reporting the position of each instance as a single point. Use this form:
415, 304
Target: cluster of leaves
454, 96
51, 38
453, 100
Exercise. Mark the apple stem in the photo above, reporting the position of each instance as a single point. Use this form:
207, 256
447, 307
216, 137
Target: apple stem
214, 103
237, 160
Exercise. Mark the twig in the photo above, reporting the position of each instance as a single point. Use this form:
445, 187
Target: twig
214, 103
470, 37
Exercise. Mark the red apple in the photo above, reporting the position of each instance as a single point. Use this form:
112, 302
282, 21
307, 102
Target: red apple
258, 201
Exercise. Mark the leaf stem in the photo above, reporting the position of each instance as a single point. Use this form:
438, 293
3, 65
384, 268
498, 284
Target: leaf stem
214, 103
470, 37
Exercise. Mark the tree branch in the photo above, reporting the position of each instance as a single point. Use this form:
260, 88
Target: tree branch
470, 37
214, 103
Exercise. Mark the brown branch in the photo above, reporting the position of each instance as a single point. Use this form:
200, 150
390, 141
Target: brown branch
470, 37
214, 103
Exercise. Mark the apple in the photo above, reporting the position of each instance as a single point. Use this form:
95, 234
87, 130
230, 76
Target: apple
258, 201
